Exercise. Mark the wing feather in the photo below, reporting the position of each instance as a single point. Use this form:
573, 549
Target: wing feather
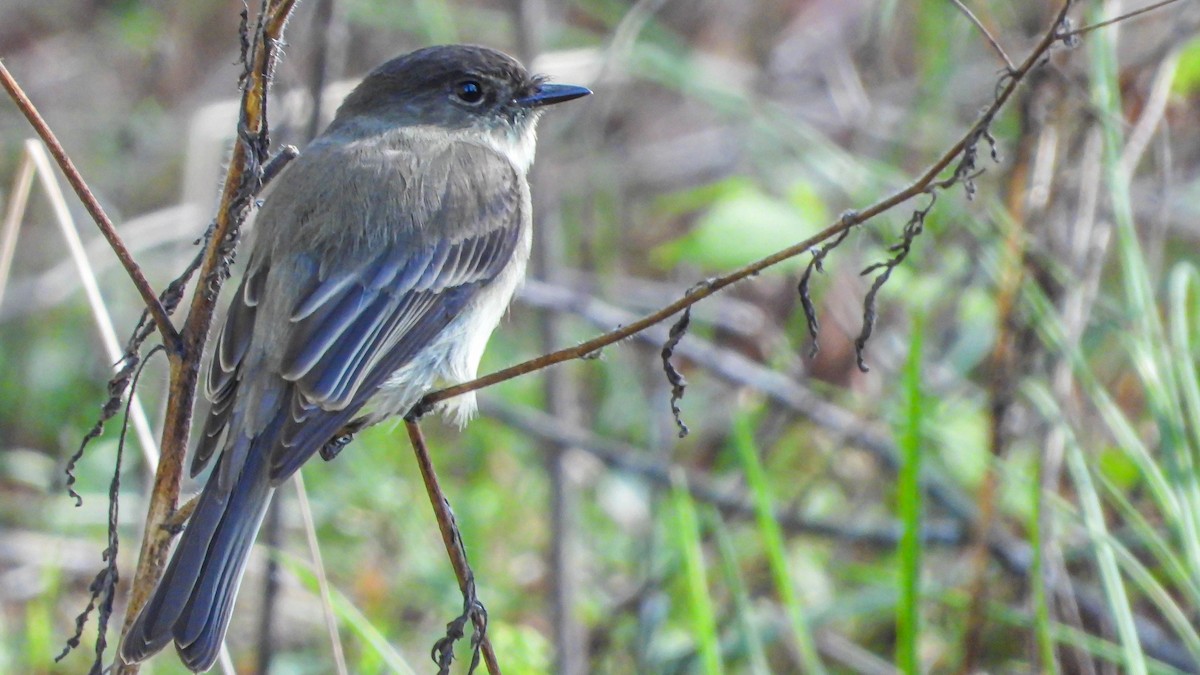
362, 317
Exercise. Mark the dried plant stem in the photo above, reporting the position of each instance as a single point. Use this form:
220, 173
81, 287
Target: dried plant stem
986, 33
921, 185
450, 537
170, 336
318, 563
91, 287
236, 196
17, 200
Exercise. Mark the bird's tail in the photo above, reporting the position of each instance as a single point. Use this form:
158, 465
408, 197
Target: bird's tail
194, 600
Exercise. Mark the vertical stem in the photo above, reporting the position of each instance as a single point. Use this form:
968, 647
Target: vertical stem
185, 363
451, 537
908, 497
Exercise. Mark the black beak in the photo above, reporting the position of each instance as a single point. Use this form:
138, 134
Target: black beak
549, 94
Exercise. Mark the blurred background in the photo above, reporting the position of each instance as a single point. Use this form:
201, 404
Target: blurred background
1012, 487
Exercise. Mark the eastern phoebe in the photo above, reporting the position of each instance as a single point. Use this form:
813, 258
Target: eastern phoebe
383, 258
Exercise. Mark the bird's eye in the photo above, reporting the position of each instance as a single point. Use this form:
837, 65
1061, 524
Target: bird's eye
469, 92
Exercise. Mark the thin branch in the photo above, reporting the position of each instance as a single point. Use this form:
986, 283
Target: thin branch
170, 336
978, 24
622, 457
962, 149
242, 182
1108, 22
443, 651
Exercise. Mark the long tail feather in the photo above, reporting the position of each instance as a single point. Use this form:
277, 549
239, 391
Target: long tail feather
194, 600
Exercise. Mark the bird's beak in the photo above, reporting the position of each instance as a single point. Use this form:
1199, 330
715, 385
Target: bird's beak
549, 94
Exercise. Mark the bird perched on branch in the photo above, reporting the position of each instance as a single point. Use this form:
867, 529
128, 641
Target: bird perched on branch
384, 256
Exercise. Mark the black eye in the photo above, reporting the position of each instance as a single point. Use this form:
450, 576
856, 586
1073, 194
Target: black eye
469, 91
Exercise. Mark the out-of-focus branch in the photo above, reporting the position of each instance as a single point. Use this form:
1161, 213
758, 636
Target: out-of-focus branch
629, 459
986, 33
561, 392
1012, 554
779, 387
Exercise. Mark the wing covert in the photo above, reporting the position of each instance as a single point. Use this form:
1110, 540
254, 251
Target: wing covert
375, 298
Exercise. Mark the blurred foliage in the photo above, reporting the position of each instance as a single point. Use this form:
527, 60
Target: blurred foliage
720, 132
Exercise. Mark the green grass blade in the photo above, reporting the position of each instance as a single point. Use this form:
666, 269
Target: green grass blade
751, 636
772, 536
1181, 315
1063, 634
687, 530
1037, 576
1168, 604
908, 504
1134, 661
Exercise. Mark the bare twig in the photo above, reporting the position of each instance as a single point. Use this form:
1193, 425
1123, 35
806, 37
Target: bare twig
170, 336
987, 34
961, 151
1108, 22
443, 651
241, 183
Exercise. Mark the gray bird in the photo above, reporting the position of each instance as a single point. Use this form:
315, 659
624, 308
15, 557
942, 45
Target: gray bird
383, 258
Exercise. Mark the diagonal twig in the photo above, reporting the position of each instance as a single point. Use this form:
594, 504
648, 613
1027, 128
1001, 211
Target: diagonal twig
986, 33
1116, 19
963, 148
443, 651
170, 335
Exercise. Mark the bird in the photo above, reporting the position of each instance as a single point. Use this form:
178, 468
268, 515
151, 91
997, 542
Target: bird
381, 260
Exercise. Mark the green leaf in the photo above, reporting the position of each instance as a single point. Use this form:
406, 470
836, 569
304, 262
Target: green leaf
742, 223
1187, 76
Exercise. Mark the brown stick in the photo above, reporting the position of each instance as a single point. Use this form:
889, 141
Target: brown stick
170, 336
921, 185
1117, 19
235, 199
450, 537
